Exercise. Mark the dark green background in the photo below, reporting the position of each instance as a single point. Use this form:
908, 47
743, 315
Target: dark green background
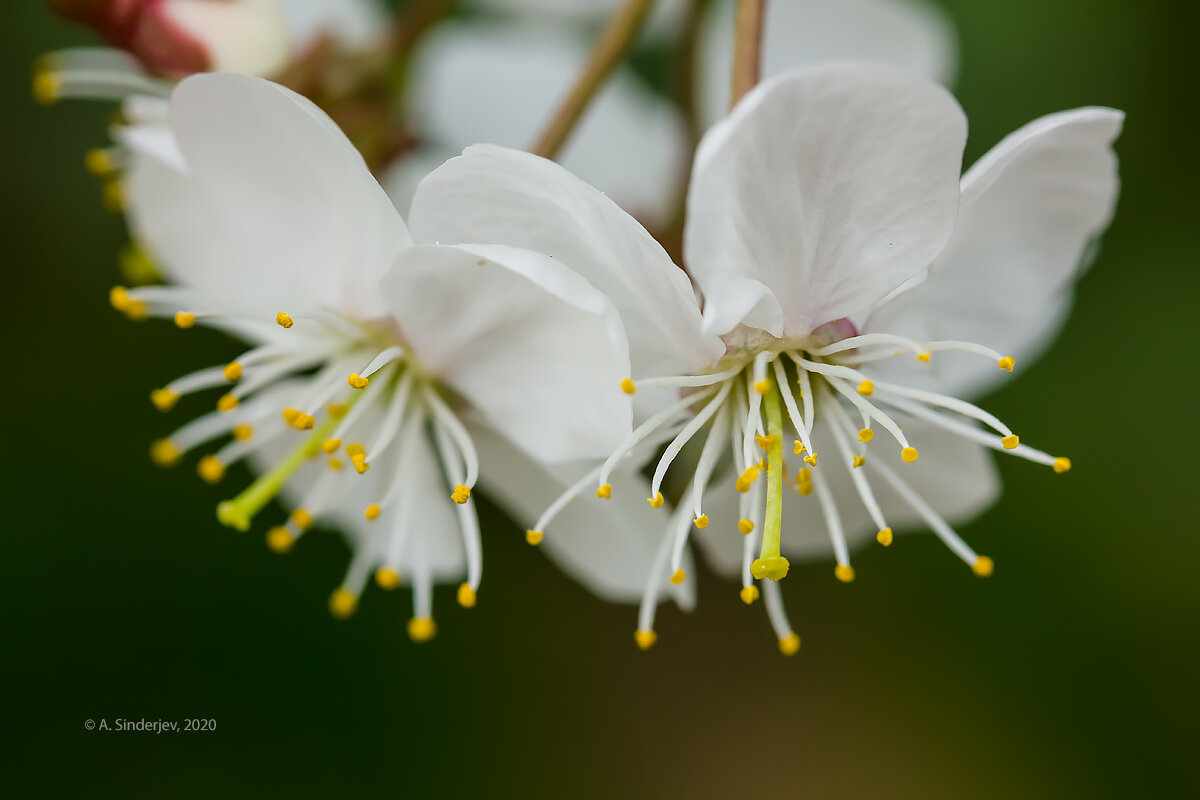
1071, 673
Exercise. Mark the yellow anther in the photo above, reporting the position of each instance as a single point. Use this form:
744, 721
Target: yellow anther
210, 469
290, 414
421, 629
99, 163
678, 576
164, 453
284, 320
335, 464
909, 454
628, 386
242, 432
866, 435
164, 399
858, 461
184, 319
303, 422
372, 511
866, 388
1010, 442
533, 537
461, 494
811, 459
1006, 363
342, 602
745, 527
337, 410
355, 449
983, 566
924, 356
1062, 465
747, 478
387, 578
604, 492
789, 645
466, 596
645, 639
357, 381
701, 522
227, 403
884, 537
280, 539
112, 196
804, 475
360, 465
749, 594
118, 297
773, 568
656, 501
302, 519
797, 447
331, 445
765, 442
47, 87
233, 371
804, 489
844, 573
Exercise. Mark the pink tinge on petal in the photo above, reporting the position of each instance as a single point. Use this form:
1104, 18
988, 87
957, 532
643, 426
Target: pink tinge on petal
833, 331
142, 28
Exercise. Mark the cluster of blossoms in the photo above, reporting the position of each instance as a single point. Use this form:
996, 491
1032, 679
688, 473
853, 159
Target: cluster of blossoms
803, 387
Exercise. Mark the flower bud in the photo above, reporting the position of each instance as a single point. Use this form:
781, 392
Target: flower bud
175, 38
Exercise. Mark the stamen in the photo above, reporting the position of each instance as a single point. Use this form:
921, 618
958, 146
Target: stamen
656, 501
926, 512
380, 361
947, 402
645, 636
468, 522
713, 444
628, 386
749, 594
392, 419
387, 578
840, 429
833, 523
688, 381
646, 429
789, 642
280, 539
974, 434
798, 422
184, 319
421, 629
284, 320
686, 434
447, 418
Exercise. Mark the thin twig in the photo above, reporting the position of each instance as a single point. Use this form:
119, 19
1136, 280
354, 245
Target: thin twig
608, 52
747, 47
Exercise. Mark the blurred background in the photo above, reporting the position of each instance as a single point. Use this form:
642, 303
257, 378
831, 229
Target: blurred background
1070, 673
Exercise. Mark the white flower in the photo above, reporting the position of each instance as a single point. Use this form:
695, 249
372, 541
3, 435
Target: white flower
501, 82
846, 273
394, 355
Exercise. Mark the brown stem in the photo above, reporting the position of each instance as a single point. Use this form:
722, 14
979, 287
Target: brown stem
747, 52
608, 52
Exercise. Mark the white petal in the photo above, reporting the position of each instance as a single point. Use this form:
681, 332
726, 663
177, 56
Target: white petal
913, 35
247, 36
352, 23
606, 545
1031, 210
533, 349
290, 189
831, 186
954, 475
504, 196
501, 84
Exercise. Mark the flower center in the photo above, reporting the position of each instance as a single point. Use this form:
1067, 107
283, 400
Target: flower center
367, 406
751, 406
